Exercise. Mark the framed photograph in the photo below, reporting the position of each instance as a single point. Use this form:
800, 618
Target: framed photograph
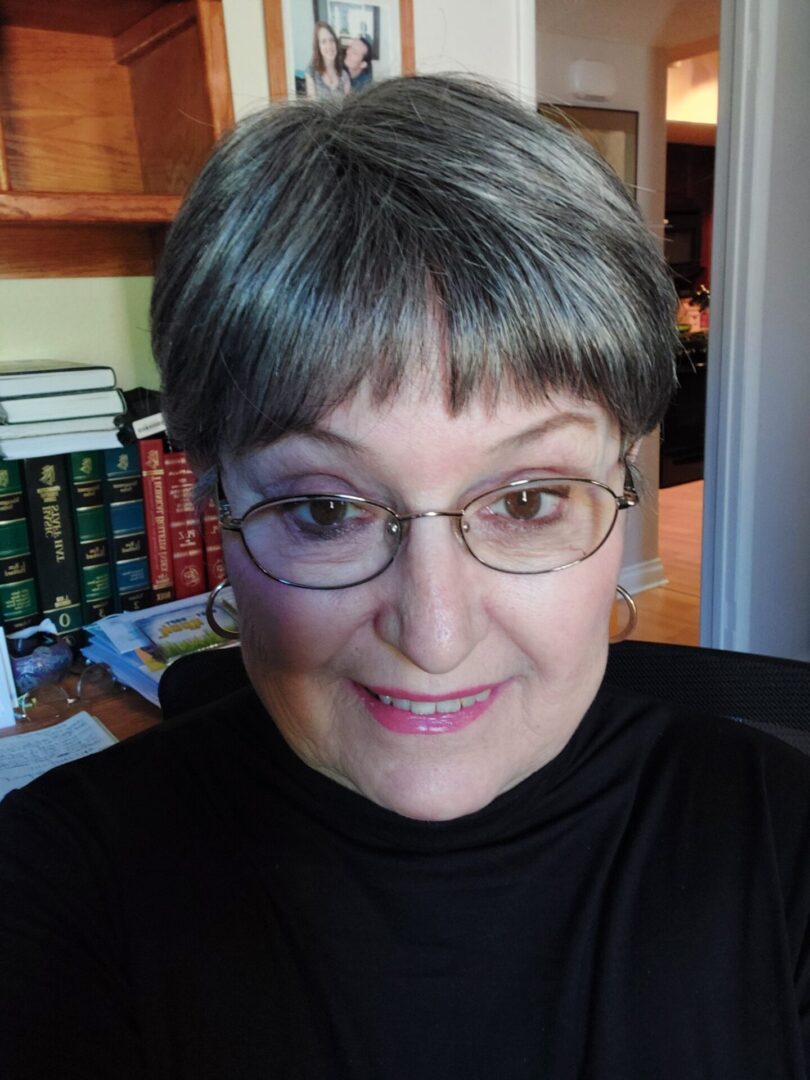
613, 132
331, 48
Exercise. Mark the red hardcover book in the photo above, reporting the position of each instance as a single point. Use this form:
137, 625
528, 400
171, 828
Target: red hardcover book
212, 538
184, 527
157, 520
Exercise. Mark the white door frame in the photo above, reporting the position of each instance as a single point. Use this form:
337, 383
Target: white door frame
755, 589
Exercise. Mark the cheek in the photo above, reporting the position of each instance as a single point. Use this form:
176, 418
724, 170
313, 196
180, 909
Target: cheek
291, 630
561, 620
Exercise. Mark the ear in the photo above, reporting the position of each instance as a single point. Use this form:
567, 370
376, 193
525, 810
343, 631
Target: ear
630, 455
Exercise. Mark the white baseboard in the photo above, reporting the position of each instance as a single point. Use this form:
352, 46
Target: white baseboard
638, 577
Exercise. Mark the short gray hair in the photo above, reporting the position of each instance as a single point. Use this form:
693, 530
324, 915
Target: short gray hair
324, 239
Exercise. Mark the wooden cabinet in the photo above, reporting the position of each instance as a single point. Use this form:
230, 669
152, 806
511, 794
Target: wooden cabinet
108, 108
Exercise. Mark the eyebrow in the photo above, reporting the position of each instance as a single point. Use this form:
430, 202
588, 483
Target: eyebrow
547, 427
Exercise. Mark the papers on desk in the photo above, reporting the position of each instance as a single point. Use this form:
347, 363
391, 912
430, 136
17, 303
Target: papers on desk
25, 756
138, 645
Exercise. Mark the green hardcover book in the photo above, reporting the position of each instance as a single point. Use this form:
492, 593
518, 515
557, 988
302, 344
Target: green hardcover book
45, 483
86, 476
19, 604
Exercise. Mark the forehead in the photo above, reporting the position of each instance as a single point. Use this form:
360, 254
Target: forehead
415, 440
420, 411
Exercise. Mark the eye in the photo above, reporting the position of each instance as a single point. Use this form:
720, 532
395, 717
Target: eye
528, 504
324, 512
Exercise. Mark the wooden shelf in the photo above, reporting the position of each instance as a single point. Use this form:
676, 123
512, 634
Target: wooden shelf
108, 109
60, 208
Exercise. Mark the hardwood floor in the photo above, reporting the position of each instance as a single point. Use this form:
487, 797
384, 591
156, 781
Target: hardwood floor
672, 613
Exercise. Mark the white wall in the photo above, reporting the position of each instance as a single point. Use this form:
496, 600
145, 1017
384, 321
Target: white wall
85, 319
490, 39
640, 87
247, 55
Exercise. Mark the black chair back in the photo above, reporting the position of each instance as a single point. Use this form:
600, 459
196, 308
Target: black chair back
762, 691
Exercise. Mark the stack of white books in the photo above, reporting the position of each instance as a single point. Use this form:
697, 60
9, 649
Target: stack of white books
139, 645
57, 407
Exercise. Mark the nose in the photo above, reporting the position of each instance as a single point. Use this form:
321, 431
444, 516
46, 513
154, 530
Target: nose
434, 609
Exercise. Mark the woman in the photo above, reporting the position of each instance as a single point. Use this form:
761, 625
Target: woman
425, 842
326, 76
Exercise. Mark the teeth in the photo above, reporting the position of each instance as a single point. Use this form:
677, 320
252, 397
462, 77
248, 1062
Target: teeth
429, 708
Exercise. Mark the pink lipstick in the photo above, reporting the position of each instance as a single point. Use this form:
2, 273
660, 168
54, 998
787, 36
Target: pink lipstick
423, 714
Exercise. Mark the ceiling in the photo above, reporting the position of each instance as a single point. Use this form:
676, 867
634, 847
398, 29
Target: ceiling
665, 23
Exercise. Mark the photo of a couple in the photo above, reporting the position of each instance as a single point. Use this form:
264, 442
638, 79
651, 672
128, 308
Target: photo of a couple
336, 69
338, 47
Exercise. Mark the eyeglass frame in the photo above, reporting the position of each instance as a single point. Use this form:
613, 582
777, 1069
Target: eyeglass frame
626, 501
66, 701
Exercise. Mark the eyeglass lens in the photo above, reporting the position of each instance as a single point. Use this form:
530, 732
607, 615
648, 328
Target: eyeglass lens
329, 541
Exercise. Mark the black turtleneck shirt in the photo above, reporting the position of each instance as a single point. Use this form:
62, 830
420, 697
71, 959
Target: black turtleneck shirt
198, 903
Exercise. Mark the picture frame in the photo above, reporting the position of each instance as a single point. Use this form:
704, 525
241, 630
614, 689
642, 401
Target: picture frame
289, 24
612, 132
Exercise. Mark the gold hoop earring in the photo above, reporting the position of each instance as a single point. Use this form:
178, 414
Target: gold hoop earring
218, 628
632, 616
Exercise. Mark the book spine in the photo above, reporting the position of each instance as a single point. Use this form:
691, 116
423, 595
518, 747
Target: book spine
53, 541
157, 523
212, 540
184, 527
86, 475
19, 602
126, 531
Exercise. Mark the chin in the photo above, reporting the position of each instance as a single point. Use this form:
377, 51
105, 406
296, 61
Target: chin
435, 797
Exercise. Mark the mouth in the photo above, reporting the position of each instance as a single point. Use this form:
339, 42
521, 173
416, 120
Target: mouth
430, 708
423, 715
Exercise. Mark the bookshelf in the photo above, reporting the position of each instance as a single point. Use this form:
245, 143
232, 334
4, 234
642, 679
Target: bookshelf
108, 108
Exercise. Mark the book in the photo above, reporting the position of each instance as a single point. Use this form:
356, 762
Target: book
58, 427
184, 527
138, 645
53, 542
157, 522
45, 445
86, 476
212, 542
19, 603
26, 377
126, 528
26, 410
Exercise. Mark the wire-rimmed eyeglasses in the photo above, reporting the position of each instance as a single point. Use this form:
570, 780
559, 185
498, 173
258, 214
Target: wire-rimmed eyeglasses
333, 540
51, 701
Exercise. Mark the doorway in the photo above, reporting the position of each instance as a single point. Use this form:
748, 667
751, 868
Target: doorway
616, 55
672, 612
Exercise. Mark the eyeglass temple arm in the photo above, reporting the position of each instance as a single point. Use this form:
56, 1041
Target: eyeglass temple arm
226, 518
630, 496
